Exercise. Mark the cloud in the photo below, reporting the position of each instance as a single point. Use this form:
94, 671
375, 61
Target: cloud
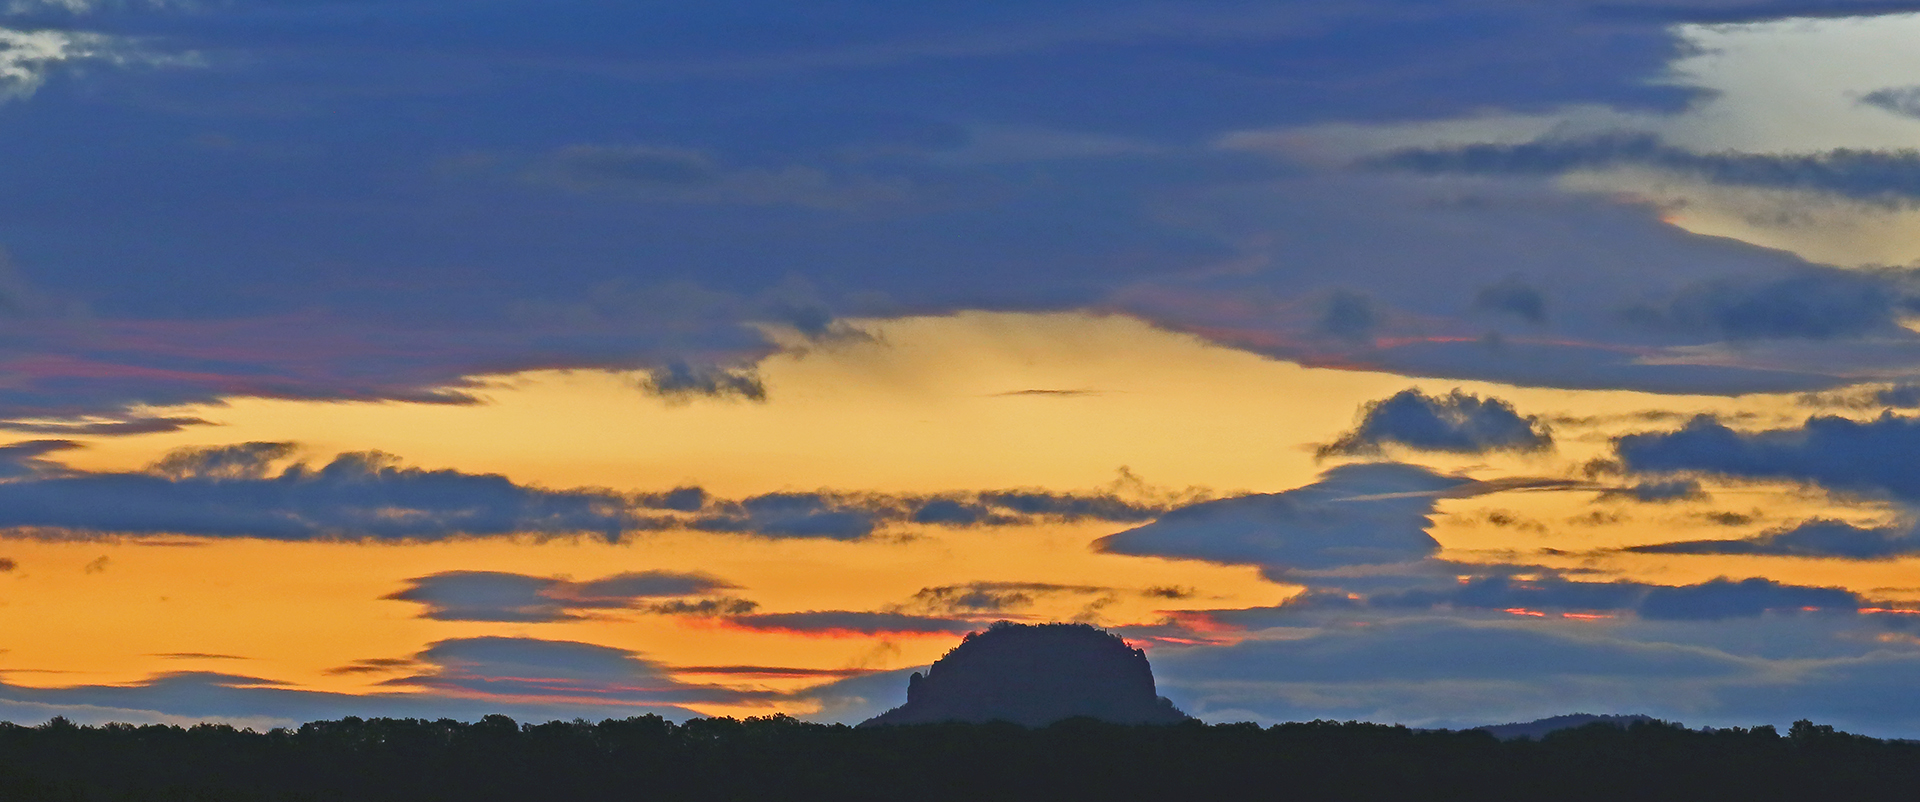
1457, 422
1439, 673
856, 699
1872, 175
1353, 515
28, 458
263, 490
1658, 492
1905, 396
1873, 456
1349, 315
26, 57
847, 623
1515, 297
507, 668
499, 596
105, 428
1820, 538
989, 598
1724, 598
1816, 304
231, 492
676, 175
1902, 100
7, 564
1714, 600
239, 461
781, 515
680, 381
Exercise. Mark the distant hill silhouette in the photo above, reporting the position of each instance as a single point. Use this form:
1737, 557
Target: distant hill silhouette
1539, 728
1035, 675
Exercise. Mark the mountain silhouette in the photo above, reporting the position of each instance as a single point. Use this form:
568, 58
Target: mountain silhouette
1035, 675
1539, 728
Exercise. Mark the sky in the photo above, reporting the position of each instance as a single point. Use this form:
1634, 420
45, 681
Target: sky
1444, 363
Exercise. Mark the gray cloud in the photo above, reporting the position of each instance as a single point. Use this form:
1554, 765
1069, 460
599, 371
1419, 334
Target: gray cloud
1349, 315
111, 428
498, 596
510, 668
832, 622
794, 515
1457, 422
1515, 297
1714, 600
261, 490
1354, 514
1880, 176
1817, 304
1872, 456
987, 598
1902, 100
1662, 492
1817, 538
680, 381
232, 492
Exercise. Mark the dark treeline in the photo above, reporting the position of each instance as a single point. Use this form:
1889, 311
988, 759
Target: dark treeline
781, 758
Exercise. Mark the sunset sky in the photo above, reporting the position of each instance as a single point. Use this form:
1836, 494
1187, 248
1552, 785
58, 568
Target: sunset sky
1445, 363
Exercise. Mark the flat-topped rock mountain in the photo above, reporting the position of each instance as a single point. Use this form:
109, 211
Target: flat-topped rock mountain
1035, 675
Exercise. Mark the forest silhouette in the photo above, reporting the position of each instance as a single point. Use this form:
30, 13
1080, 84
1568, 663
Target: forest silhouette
775, 758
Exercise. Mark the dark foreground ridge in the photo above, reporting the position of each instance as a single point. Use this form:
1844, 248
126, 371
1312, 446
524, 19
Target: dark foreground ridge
779, 758
1035, 675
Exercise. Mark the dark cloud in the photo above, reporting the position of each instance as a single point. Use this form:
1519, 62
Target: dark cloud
1457, 422
261, 490
678, 380
772, 672
1515, 297
240, 461
509, 668
1902, 100
375, 665
1881, 176
1816, 304
112, 428
703, 608
28, 459
841, 149
1349, 315
845, 622
679, 499
1724, 598
232, 492
1873, 456
988, 598
1013, 506
498, 596
782, 515
1816, 538
7, 564
1709, 601
1657, 492
1904, 396
1354, 515
856, 699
